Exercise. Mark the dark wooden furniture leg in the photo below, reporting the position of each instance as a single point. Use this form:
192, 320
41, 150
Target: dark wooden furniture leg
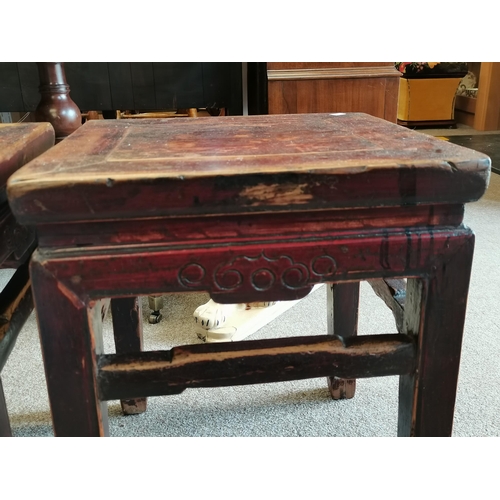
342, 310
393, 293
5, 430
71, 380
19, 144
57, 107
127, 330
435, 314
16, 304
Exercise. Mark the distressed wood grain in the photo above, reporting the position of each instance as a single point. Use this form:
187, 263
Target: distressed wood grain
252, 362
69, 362
240, 228
114, 168
261, 270
249, 209
342, 301
434, 315
19, 144
393, 293
127, 331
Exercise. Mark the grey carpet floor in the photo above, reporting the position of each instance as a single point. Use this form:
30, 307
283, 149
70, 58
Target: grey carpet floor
300, 408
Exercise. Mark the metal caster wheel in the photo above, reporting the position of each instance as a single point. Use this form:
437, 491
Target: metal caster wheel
155, 305
155, 317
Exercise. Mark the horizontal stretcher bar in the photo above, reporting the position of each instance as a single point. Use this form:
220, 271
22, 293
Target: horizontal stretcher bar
157, 373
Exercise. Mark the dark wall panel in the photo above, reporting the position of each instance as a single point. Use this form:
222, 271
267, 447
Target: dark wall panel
143, 86
89, 85
10, 88
217, 85
178, 85
29, 80
130, 86
120, 82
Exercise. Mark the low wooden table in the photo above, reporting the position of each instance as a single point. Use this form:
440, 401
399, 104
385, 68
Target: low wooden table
256, 208
19, 143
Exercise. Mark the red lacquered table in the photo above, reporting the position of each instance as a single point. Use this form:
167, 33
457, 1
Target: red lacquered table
255, 208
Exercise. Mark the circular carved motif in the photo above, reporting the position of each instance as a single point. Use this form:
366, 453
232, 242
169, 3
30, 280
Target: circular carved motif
229, 280
295, 276
191, 274
324, 265
263, 279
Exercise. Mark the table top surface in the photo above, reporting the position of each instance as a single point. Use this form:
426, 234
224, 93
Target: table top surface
21, 142
198, 152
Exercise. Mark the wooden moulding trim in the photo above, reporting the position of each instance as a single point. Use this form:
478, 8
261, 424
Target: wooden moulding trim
245, 227
332, 73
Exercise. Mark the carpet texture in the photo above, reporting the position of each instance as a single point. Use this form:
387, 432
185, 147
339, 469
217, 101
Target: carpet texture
299, 408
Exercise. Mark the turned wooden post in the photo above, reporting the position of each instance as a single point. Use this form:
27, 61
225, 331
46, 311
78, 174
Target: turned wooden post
56, 106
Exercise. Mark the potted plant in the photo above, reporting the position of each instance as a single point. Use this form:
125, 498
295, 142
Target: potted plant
427, 92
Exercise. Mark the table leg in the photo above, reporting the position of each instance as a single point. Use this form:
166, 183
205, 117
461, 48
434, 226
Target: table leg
5, 430
435, 313
71, 338
127, 330
342, 307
